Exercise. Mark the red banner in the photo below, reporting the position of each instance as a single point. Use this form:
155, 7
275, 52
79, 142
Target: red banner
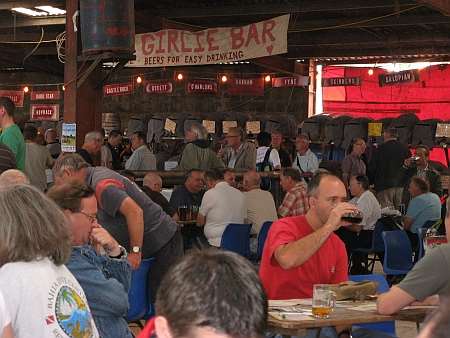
44, 112
254, 87
117, 89
158, 87
45, 95
16, 96
290, 81
202, 87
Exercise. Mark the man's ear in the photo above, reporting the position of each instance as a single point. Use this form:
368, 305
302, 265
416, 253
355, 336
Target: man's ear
162, 329
312, 201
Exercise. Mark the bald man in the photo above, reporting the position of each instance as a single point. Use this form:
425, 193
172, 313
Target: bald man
13, 177
260, 205
152, 186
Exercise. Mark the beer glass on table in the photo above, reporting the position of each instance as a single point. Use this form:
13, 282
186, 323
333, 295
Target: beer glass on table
183, 212
324, 301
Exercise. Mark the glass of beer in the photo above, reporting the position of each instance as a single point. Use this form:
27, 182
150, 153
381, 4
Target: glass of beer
323, 302
183, 212
354, 217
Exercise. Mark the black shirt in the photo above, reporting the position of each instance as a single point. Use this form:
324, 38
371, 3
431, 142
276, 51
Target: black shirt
182, 196
7, 158
285, 159
159, 199
86, 156
115, 154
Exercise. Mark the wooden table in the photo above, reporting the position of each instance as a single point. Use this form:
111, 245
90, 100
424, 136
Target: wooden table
343, 315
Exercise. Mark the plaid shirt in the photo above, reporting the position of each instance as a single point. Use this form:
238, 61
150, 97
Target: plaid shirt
295, 202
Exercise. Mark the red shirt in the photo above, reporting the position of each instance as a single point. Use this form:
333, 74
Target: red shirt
327, 266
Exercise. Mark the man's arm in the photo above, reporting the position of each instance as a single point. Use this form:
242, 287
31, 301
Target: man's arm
407, 222
296, 253
393, 301
201, 220
135, 222
133, 162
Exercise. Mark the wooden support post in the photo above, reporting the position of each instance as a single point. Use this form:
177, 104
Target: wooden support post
312, 88
70, 67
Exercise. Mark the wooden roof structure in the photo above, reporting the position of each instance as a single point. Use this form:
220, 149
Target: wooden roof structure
329, 31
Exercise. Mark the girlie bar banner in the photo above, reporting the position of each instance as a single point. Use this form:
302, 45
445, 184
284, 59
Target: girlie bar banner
172, 47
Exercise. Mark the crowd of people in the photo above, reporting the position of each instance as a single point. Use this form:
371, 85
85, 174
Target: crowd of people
80, 234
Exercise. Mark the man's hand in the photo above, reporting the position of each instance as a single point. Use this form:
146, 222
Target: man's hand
408, 162
99, 236
334, 220
134, 258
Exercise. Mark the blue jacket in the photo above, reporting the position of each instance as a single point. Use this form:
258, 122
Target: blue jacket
105, 282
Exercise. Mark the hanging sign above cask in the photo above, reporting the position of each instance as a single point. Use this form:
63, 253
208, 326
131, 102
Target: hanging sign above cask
45, 95
290, 81
399, 77
253, 87
158, 87
117, 89
16, 96
202, 87
44, 112
341, 81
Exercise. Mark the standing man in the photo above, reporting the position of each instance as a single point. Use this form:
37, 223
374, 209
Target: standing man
91, 147
129, 215
11, 135
295, 201
142, 158
385, 169
97, 261
277, 140
111, 151
52, 142
38, 159
221, 205
304, 250
239, 154
305, 161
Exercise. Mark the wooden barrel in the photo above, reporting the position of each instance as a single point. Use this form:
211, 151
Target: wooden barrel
107, 26
110, 121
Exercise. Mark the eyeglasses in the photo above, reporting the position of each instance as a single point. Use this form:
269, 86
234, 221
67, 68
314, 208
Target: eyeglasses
92, 218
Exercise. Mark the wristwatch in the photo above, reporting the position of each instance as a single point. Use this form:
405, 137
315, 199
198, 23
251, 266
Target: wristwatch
135, 249
123, 253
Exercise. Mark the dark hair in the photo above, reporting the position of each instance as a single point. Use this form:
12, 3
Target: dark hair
8, 104
220, 290
114, 133
363, 180
424, 147
314, 183
68, 195
140, 135
30, 133
264, 139
292, 173
352, 143
228, 170
214, 174
392, 131
303, 137
422, 184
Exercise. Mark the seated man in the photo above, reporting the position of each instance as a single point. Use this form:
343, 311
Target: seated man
424, 206
101, 267
91, 147
260, 206
129, 215
209, 312
221, 205
152, 186
429, 277
189, 195
295, 201
230, 177
360, 235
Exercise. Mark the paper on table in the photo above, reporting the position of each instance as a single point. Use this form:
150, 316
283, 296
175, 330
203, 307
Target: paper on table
291, 315
364, 307
290, 302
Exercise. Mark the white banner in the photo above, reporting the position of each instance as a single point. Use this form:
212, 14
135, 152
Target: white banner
172, 47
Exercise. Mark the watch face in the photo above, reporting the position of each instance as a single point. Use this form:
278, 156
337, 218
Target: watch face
136, 249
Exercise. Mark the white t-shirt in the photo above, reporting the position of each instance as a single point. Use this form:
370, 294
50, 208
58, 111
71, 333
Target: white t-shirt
370, 207
274, 158
4, 315
307, 162
45, 300
221, 206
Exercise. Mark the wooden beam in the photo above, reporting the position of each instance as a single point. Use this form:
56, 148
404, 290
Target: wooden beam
276, 63
312, 88
71, 67
22, 22
442, 6
8, 4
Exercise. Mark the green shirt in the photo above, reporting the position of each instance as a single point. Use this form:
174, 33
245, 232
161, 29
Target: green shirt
12, 137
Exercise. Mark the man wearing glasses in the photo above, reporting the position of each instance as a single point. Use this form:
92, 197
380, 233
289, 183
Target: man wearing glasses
97, 261
239, 154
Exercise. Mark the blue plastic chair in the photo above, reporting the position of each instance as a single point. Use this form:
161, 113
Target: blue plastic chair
376, 249
421, 233
397, 253
138, 295
262, 236
387, 327
236, 238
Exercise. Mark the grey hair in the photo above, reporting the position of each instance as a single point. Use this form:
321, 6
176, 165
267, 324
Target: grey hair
68, 161
12, 177
148, 178
32, 227
199, 130
93, 136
